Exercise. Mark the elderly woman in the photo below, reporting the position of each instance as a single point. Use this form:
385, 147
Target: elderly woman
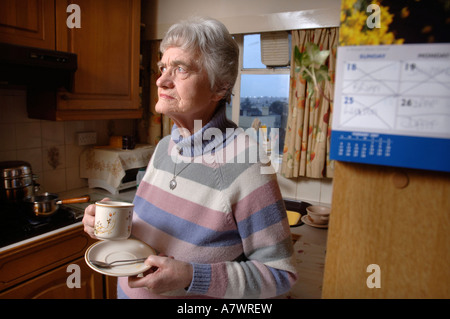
217, 220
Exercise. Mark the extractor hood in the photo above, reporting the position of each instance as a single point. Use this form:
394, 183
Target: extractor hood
37, 68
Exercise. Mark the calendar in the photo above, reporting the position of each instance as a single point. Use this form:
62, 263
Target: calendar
392, 106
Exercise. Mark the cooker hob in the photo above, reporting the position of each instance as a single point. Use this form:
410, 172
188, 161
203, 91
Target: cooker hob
16, 224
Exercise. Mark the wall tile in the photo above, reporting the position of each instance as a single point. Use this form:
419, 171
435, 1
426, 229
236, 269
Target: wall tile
326, 191
32, 156
7, 137
54, 181
52, 133
71, 129
53, 157
5, 108
8, 155
288, 187
73, 155
28, 135
102, 132
308, 189
73, 178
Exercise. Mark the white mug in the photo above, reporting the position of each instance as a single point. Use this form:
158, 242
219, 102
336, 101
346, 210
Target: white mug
113, 220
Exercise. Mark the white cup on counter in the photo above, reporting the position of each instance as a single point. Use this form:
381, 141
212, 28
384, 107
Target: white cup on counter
318, 215
113, 220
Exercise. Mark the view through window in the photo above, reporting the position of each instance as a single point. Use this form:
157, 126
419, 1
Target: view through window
263, 93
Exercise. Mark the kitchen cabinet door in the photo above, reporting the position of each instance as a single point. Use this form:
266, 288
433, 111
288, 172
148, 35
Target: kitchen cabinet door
53, 285
28, 22
107, 45
106, 83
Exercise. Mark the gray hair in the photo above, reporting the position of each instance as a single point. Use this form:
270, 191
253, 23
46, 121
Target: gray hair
217, 49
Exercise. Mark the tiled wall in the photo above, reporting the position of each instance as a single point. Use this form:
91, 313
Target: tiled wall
50, 147
311, 190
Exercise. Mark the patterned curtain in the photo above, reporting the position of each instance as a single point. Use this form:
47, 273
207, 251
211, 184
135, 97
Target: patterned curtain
159, 125
307, 142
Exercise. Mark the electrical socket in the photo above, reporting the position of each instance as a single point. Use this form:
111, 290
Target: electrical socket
87, 138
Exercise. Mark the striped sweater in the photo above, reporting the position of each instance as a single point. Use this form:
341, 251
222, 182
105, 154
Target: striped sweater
225, 217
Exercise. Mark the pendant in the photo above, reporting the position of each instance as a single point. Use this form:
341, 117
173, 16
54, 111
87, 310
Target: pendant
173, 184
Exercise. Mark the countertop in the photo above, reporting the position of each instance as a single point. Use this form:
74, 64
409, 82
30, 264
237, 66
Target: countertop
310, 245
126, 195
96, 194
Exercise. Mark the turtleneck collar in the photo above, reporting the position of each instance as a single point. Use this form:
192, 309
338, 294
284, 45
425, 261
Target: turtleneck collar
200, 143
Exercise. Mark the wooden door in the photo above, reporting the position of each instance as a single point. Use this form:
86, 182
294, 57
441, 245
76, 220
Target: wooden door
28, 23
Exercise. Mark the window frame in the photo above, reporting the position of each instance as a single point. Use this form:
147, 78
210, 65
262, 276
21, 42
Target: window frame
236, 98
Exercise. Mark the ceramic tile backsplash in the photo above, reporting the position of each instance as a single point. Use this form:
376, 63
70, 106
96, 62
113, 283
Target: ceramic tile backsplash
73, 177
50, 147
326, 190
52, 133
288, 186
54, 181
54, 157
8, 131
28, 135
308, 189
72, 155
315, 191
32, 156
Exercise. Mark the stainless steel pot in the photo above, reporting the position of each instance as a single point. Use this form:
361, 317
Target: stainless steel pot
16, 181
47, 204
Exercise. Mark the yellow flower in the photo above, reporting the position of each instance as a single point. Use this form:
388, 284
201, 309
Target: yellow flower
405, 12
354, 29
427, 29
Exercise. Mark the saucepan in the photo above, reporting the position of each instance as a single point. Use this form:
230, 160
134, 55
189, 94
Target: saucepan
17, 181
47, 204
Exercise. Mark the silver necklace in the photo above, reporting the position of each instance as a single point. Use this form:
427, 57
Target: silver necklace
173, 182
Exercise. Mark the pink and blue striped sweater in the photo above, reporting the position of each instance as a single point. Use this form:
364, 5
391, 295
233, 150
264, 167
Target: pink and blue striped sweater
224, 217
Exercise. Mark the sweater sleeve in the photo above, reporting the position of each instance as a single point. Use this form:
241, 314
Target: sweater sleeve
266, 268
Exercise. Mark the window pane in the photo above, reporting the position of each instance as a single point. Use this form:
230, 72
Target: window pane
229, 111
265, 97
252, 52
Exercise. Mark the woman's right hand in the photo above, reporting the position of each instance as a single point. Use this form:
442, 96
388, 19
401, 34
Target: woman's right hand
89, 219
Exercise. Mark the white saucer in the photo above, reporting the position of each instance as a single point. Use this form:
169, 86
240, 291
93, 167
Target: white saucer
110, 250
308, 222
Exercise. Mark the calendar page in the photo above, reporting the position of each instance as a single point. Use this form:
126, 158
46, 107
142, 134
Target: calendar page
392, 106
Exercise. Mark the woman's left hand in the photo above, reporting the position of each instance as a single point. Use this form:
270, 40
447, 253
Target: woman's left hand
171, 274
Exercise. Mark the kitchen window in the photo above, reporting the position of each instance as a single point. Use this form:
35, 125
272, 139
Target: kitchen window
262, 92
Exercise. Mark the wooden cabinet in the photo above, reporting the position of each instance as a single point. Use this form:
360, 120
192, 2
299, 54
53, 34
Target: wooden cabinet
106, 83
107, 45
53, 285
28, 23
40, 269
395, 218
